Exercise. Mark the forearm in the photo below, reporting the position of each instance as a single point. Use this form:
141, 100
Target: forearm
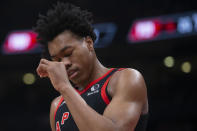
84, 116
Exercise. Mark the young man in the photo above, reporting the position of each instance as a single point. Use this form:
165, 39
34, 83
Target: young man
99, 98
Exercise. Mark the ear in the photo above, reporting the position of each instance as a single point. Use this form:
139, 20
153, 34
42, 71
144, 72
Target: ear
90, 43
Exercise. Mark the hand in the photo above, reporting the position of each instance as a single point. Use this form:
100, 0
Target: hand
57, 73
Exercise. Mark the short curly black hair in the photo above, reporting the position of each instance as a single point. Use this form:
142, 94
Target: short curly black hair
64, 16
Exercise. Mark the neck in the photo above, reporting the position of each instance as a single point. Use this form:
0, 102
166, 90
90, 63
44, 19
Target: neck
98, 70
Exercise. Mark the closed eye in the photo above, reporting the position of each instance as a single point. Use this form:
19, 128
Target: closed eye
67, 52
67, 55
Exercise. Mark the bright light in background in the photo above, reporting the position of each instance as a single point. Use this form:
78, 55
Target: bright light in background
105, 33
29, 78
19, 42
195, 20
184, 25
169, 61
143, 30
163, 27
186, 67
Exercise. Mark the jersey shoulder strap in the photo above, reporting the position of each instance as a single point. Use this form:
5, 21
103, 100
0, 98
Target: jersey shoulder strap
104, 93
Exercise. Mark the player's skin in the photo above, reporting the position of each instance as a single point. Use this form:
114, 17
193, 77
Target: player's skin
74, 59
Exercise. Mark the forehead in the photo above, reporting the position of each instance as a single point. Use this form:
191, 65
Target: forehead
61, 41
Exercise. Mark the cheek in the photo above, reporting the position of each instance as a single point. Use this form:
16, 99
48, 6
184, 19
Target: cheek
84, 59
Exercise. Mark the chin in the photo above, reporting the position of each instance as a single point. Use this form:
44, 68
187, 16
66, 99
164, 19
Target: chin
73, 82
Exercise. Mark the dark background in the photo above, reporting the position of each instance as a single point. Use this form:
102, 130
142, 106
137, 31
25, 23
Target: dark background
172, 93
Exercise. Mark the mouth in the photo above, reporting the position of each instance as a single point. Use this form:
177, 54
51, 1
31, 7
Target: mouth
72, 74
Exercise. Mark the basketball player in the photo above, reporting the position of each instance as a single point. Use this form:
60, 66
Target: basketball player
99, 98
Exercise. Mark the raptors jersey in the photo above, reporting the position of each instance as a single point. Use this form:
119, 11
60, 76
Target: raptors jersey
97, 97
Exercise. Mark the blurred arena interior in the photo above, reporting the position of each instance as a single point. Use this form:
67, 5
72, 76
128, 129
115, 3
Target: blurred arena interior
156, 37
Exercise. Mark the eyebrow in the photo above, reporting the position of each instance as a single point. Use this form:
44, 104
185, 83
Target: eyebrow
63, 49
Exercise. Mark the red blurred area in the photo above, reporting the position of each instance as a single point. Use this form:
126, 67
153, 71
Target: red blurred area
143, 30
19, 42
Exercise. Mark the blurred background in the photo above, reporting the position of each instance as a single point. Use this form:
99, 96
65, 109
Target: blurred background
156, 37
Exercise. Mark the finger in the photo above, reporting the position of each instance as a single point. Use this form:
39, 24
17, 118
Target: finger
42, 70
66, 64
44, 61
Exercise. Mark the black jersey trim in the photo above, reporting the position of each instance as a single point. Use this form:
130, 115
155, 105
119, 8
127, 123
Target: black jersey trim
95, 81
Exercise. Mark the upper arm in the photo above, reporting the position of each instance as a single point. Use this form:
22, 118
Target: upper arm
53, 108
128, 99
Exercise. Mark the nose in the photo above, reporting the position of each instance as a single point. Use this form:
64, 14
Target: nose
67, 62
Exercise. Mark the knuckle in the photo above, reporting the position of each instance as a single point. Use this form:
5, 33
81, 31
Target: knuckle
61, 63
37, 69
49, 68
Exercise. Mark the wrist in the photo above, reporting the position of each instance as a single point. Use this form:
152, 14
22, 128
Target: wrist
63, 87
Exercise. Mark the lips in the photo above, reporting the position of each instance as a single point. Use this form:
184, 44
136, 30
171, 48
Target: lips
72, 73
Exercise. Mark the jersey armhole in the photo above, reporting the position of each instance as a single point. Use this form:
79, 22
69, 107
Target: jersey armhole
61, 99
104, 93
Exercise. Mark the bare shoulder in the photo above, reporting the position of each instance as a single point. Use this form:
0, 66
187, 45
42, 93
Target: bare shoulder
127, 81
128, 73
55, 102
131, 76
54, 105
